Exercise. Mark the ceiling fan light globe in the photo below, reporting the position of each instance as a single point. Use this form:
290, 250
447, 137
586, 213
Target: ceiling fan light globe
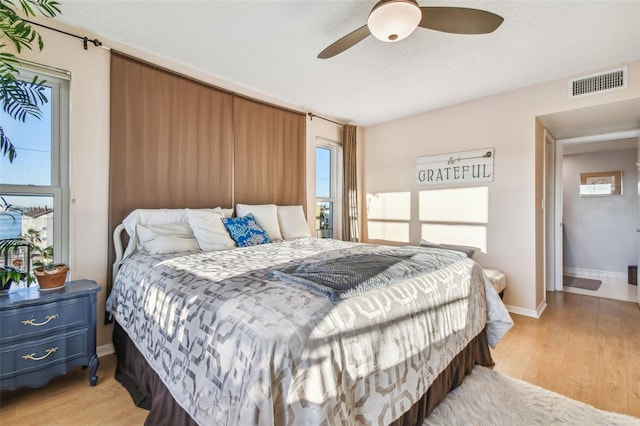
394, 20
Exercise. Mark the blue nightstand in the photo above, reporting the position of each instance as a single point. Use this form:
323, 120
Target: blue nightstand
47, 333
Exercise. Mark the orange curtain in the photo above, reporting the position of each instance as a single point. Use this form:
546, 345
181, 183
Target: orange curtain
180, 143
350, 185
269, 164
171, 141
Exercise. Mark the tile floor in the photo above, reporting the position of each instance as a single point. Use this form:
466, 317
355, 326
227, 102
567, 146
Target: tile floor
611, 288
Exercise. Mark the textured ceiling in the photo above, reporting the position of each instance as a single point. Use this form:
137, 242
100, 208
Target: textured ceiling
271, 47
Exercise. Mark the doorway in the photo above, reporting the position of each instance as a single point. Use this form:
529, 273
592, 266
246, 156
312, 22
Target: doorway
599, 214
575, 128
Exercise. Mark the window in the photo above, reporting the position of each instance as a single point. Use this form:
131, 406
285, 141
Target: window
328, 188
34, 188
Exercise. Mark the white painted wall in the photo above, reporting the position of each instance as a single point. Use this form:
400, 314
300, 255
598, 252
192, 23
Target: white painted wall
507, 123
599, 232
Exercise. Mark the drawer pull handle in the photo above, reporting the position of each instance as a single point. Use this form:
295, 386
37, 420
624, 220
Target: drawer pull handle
33, 356
38, 324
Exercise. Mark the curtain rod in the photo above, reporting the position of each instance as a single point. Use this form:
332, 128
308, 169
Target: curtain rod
311, 115
85, 40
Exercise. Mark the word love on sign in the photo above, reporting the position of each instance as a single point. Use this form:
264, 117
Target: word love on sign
459, 167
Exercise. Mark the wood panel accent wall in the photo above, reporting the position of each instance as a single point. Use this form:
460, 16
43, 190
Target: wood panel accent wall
177, 142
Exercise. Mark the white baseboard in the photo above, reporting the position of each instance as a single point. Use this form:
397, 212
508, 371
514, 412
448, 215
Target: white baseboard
522, 311
541, 307
528, 312
107, 349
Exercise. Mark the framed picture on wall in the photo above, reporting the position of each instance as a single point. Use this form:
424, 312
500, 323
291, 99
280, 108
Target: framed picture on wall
601, 183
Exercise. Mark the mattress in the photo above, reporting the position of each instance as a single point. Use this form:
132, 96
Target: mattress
234, 346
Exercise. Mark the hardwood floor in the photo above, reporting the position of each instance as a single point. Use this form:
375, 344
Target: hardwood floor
583, 347
69, 400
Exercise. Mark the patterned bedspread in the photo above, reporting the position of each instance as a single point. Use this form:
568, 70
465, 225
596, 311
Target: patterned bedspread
235, 347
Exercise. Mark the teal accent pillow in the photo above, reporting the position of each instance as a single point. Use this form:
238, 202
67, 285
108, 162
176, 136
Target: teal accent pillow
246, 231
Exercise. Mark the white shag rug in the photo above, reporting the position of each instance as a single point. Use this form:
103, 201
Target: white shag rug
487, 397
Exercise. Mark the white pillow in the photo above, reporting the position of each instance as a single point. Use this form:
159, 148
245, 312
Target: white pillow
293, 224
209, 230
266, 215
226, 212
166, 238
148, 217
151, 217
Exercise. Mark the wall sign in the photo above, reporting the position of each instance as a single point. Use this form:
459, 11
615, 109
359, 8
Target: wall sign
458, 167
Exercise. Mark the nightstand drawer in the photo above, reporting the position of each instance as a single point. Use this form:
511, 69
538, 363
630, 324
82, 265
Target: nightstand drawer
47, 333
29, 321
41, 354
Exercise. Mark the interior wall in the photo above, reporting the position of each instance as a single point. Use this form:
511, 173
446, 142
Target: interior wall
505, 122
599, 231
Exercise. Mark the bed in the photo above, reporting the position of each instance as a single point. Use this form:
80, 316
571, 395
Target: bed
211, 337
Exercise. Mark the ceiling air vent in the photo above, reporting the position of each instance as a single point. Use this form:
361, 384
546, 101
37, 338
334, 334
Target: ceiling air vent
607, 81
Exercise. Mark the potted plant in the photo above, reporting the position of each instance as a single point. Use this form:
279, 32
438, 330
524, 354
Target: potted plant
13, 273
10, 275
48, 274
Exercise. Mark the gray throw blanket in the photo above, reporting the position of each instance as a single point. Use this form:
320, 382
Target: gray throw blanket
348, 275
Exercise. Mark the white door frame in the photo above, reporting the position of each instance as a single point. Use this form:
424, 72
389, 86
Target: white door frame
549, 213
557, 222
557, 218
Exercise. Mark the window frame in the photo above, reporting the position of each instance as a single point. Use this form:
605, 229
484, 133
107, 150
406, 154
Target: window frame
59, 82
335, 186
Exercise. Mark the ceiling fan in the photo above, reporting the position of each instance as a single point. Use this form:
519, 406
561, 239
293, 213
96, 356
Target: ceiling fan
394, 20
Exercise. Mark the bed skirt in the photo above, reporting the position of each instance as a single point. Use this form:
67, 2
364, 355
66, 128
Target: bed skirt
148, 391
475, 353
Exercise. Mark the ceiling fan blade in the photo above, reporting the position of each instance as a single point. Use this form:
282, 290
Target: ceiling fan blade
459, 20
345, 42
